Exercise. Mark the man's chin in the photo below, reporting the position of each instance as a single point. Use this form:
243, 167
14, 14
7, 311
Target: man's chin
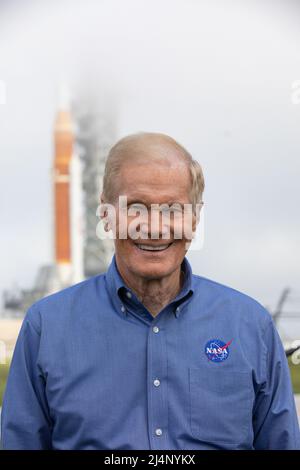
148, 270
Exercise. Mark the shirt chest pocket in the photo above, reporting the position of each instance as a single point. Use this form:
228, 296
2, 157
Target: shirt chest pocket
220, 404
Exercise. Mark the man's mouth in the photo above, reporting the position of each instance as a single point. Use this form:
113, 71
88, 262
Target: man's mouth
146, 247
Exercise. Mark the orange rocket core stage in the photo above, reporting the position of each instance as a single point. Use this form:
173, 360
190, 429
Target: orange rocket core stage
63, 155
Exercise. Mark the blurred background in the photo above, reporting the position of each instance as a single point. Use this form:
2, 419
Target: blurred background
221, 77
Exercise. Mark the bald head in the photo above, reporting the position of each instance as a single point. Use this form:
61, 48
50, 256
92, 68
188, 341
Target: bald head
156, 149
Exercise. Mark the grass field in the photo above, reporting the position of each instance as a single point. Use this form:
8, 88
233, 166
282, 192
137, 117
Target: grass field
3, 376
295, 374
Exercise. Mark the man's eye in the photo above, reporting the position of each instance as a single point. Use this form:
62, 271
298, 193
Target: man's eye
174, 210
136, 207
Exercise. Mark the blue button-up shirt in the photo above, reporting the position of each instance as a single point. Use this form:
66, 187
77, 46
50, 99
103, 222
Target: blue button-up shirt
92, 369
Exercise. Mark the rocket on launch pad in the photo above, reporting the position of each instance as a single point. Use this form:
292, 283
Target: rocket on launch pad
68, 236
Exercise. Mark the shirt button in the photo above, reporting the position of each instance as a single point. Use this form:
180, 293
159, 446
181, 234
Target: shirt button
156, 383
155, 329
123, 308
128, 294
158, 432
177, 310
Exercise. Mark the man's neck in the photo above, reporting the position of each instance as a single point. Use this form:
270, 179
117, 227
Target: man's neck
154, 294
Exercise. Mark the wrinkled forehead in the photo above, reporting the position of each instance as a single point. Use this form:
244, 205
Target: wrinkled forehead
155, 183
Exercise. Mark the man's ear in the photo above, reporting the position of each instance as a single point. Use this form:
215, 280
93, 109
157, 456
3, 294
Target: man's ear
104, 213
102, 200
196, 216
194, 224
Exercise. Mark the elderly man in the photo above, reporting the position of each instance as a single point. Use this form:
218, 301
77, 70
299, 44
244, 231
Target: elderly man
149, 355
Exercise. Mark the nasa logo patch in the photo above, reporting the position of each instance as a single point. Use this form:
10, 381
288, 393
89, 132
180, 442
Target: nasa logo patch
216, 350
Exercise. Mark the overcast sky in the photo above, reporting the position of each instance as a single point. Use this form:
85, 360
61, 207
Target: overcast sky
215, 75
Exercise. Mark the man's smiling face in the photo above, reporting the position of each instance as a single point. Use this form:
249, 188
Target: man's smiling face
154, 182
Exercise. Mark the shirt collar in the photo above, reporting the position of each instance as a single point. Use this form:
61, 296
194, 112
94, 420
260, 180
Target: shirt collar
116, 286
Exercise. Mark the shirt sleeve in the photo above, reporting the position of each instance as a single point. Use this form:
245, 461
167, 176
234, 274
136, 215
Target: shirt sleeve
25, 420
275, 420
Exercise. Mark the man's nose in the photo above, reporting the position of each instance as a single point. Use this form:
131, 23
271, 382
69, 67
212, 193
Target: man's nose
155, 230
